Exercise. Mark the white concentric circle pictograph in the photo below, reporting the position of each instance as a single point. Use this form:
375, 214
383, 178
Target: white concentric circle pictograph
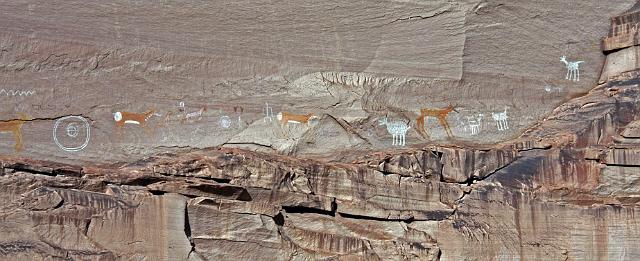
225, 122
72, 130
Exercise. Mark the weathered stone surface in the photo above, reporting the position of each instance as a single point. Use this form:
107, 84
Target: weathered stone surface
349, 64
558, 179
632, 130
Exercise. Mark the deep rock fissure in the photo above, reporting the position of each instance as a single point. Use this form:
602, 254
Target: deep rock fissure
187, 229
26, 169
473, 180
361, 217
310, 210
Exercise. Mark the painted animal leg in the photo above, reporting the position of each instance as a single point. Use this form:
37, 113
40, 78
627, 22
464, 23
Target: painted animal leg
148, 131
164, 121
578, 74
17, 136
506, 125
568, 73
445, 125
420, 126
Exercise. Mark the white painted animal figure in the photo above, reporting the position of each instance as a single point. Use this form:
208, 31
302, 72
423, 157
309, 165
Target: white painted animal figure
573, 69
501, 119
397, 129
195, 114
551, 88
475, 122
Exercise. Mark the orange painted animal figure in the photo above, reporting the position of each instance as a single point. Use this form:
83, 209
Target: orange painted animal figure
440, 114
15, 127
286, 118
123, 117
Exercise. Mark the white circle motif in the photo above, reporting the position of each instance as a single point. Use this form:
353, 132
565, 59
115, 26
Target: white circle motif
72, 130
225, 122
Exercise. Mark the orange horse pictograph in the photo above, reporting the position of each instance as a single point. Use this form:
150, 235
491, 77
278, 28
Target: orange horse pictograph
440, 114
286, 118
15, 127
123, 117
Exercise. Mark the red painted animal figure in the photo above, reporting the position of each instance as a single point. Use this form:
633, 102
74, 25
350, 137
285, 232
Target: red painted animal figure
440, 114
286, 118
123, 117
15, 127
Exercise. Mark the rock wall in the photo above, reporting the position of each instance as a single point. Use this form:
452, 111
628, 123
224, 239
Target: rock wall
169, 130
217, 73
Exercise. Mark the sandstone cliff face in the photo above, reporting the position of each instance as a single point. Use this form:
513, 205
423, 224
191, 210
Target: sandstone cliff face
149, 131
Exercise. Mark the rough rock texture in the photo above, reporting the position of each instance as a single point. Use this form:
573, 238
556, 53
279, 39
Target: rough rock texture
231, 182
349, 63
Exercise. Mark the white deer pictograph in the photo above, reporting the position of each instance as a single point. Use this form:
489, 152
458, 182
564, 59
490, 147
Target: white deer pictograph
573, 69
501, 119
475, 122
397, 129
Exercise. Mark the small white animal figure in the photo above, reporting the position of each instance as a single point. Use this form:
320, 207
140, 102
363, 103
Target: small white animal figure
196, 114
551, 88
573, 69
475, 122
397, 129
501, 119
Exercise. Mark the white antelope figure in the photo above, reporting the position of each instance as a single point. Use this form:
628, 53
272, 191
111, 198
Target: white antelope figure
397, 129
475, 122
501, 119
573, 69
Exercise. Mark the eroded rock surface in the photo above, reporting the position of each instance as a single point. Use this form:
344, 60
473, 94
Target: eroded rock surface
204, 170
